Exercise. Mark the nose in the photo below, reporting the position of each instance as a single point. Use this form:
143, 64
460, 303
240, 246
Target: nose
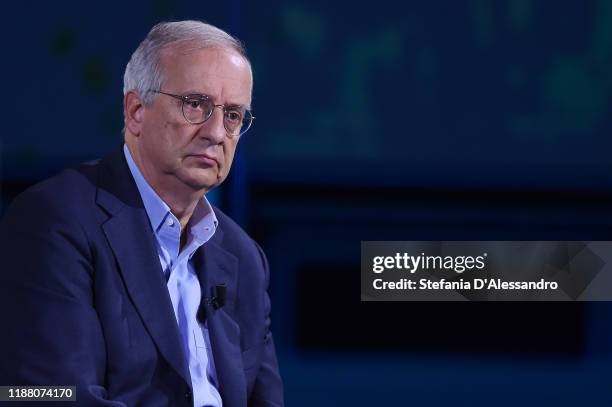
213, 128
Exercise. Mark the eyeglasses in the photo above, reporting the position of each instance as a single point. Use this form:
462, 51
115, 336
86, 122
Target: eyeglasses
198, 108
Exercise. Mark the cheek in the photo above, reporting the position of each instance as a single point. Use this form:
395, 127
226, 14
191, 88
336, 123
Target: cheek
229, 152
163, 152
171, 141
168, 133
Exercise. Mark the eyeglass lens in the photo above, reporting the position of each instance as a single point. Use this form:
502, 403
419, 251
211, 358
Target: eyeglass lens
197, 109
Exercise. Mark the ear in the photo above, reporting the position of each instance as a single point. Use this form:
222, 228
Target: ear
133, 112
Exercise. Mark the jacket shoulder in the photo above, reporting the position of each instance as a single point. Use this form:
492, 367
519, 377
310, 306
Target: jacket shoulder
229, 226
236, 240
65, 194
68, 185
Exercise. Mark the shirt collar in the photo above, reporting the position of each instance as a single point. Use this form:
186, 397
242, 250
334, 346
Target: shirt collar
203, 220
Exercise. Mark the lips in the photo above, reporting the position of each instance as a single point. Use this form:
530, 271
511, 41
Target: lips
205, 159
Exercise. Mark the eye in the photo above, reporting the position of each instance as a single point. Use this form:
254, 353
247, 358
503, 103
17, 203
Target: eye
233, 116
193, 103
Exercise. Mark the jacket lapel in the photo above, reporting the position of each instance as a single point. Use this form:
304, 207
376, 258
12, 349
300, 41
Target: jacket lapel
129, 235
216, 266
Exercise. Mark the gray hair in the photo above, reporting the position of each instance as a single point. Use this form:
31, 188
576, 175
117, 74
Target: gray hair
144, 73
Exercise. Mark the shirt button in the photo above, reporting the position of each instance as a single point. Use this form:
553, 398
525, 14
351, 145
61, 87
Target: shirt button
170, 222
188, 395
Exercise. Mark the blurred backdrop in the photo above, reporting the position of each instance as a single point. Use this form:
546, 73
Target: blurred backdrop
428, 120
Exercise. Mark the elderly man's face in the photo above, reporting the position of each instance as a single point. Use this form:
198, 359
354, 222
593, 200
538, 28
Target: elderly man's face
178, 153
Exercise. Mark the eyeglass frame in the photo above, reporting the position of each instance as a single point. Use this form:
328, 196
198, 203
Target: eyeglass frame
185, 98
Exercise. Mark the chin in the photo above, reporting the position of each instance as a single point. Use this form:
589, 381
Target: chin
202, 180
202, 184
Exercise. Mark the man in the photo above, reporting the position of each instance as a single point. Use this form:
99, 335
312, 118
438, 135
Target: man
119, 277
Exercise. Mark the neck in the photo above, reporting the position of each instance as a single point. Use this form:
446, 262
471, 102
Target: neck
181, 206
181, 199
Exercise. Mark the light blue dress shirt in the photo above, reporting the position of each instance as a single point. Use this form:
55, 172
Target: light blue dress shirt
183, 284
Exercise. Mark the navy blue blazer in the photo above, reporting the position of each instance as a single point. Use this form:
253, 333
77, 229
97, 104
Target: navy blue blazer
84, 300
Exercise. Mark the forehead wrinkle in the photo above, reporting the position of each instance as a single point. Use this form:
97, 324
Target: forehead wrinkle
213, 71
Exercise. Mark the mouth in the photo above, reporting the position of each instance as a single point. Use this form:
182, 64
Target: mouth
204, 159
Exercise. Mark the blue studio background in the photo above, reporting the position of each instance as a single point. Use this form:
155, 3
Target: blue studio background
429, 120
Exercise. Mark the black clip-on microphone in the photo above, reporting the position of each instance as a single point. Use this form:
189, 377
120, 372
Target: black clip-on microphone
218, 299
219, 296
